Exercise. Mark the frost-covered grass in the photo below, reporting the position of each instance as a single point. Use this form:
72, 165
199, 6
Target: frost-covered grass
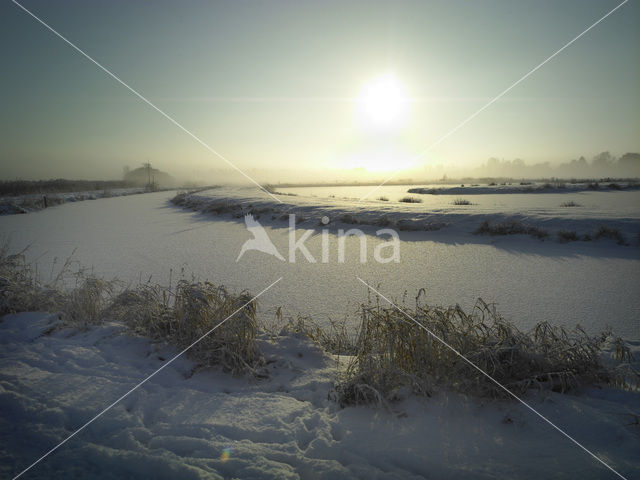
184, 315
20, 289
393, 354
390, 352
177, 316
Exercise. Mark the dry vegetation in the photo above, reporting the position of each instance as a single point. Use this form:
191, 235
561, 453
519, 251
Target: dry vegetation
185, 314
396, 353
177, 316
389, 356
26, 187
611, 233
511, 228
514, 227
409, 199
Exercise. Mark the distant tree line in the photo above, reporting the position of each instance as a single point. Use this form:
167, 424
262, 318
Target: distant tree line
602, 165
10, 188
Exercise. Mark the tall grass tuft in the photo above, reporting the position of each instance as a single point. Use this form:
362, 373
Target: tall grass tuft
461, 201
20, 287
183, 316
178, 316
409, 199
394, 355
612, 233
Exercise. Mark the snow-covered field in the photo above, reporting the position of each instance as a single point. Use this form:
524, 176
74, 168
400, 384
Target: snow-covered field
182, 424
205, 424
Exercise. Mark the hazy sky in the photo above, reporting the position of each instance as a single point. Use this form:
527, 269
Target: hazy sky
275, 85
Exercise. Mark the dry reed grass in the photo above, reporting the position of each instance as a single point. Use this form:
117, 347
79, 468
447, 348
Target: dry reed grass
393, 354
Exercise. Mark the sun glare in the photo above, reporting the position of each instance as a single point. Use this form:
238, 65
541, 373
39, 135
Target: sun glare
383, 104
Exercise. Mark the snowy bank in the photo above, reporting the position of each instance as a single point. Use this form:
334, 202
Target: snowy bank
210, 425
556, 222
194, 420
34, 202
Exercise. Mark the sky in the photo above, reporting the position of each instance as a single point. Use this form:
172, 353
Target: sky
280, 88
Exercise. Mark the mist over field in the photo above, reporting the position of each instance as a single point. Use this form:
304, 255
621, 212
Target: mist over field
602, 165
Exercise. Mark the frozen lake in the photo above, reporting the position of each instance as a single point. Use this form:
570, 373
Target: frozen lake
144, 237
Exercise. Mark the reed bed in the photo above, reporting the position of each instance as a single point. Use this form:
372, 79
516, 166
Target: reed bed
20, 289
389, 355
178, 316
395, 355
184, 315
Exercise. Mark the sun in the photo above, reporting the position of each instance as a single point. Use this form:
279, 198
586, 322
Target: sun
383, 104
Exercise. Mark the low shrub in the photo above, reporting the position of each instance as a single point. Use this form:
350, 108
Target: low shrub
570, 204
461, 201
409, 199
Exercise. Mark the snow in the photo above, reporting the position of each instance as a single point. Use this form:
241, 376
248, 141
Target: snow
181, 422
614, 209
191, 423
144, 237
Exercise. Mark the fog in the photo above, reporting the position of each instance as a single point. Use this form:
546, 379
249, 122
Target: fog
602, 165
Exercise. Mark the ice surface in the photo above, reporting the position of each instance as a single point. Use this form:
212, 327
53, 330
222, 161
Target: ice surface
144, 237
